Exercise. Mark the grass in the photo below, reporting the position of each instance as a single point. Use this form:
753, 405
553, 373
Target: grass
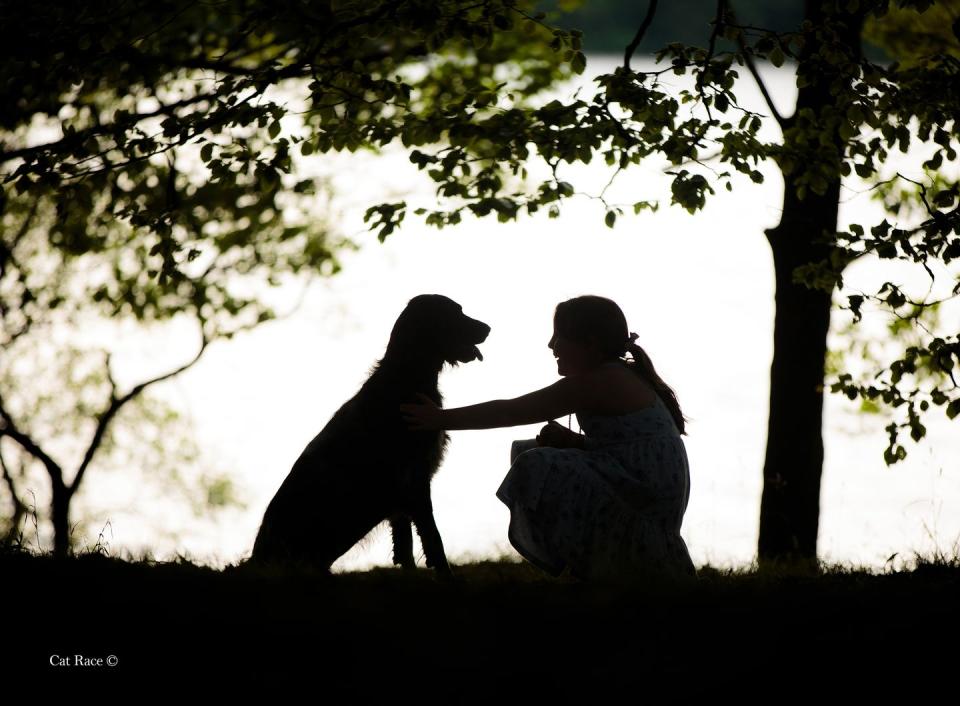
755, 635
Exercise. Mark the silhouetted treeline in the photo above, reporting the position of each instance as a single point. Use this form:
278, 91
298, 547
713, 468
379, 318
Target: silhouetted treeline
609, 25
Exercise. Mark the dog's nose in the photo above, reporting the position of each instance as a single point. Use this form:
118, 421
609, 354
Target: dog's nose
483, 330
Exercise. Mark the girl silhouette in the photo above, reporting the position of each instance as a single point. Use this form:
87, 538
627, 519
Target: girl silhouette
608, 503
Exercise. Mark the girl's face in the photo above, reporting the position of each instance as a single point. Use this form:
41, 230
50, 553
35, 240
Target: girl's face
573, 357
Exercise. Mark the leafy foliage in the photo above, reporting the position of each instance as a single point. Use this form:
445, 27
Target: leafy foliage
874, 112
135, 81
149, 158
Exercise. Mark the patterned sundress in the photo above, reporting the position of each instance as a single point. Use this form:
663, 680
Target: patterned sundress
611, 510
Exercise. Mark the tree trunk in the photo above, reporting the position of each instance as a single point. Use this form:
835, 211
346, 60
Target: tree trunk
61, 520
790, 504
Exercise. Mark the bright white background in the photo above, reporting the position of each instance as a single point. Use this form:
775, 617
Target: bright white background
697, 289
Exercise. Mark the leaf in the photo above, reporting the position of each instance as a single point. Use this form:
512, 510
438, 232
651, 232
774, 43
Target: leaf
953, 409
856, 301
579, 62
776, 56
944, 199
610, 219
917, 431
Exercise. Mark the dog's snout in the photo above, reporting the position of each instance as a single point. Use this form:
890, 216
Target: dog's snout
481, 330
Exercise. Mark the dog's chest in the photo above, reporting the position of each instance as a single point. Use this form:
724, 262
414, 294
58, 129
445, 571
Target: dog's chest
424, 456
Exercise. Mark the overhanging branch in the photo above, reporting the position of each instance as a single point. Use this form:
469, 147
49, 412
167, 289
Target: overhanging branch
752, 67
78, 137
718, 22
635, 42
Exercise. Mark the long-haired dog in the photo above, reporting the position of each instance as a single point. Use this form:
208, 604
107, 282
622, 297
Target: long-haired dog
366, 466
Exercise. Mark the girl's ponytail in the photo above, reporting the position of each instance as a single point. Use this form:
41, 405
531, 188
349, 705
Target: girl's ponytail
643, 366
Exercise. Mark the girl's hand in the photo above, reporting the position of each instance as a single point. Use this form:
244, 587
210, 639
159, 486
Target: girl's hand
426, 415
559, 437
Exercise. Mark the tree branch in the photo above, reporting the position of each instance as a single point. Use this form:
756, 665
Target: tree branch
632, 46
327, 31
6, 251
748, 59
9, 428
109, 370
19, 508
116, 403
718, 22
78, 137
217, 65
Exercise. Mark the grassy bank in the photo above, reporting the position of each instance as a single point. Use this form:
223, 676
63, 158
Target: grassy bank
505, 629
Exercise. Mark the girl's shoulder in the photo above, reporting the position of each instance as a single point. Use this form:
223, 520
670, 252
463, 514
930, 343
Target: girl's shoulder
619, 390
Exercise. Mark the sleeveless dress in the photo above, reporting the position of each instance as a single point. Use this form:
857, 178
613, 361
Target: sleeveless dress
611, 510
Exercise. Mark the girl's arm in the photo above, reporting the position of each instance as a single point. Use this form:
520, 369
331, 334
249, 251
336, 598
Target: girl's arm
557, 400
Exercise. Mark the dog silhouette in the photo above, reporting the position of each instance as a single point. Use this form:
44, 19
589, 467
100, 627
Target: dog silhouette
365, 466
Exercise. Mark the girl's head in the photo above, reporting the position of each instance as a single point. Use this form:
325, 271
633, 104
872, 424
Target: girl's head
587, 331
590, 330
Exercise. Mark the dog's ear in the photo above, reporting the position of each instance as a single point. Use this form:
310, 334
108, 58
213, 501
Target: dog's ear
415, 328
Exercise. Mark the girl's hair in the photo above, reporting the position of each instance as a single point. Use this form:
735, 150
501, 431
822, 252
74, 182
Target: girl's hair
599, 320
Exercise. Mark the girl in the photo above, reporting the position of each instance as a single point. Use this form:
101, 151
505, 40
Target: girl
608, 503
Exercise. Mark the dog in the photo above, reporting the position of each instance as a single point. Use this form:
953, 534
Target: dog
365, 466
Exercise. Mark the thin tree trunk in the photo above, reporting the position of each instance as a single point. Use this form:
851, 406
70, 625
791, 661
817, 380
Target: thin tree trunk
61, 520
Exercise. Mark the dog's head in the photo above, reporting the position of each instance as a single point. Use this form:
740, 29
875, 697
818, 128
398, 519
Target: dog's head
433, 327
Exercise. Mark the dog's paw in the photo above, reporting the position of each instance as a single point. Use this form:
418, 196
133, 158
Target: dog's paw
407, 563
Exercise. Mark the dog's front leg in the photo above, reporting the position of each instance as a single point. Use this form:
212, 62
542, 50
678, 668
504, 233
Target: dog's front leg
402, 542
422, 514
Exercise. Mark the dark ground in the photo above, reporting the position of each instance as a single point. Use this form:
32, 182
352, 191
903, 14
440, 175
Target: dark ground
504, 631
